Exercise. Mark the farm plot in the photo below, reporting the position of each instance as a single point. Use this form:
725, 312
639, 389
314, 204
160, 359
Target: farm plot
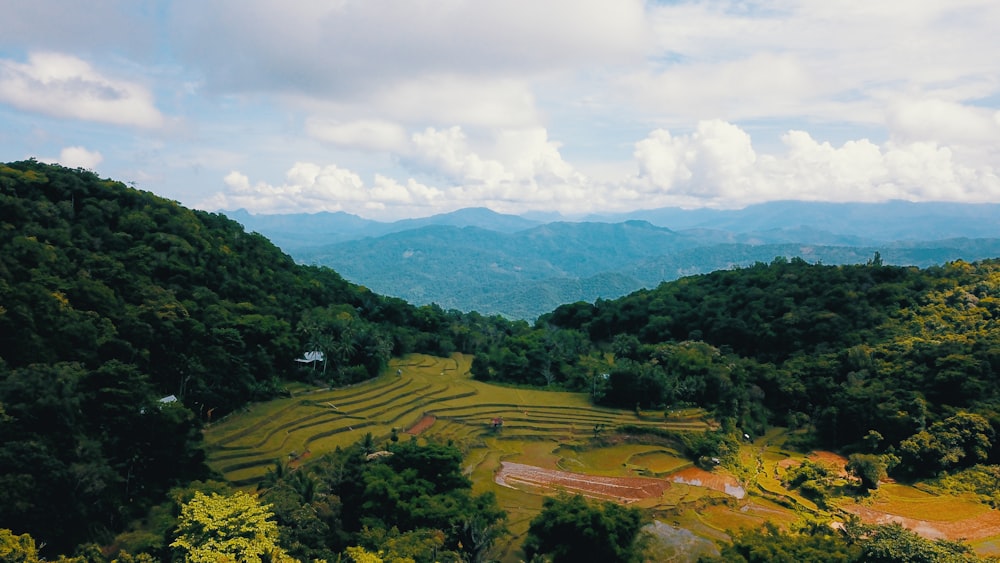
622, 489
434, 398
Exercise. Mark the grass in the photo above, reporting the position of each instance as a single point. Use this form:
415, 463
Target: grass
910, 502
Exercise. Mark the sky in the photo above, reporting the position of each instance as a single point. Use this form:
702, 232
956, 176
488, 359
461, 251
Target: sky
391, 109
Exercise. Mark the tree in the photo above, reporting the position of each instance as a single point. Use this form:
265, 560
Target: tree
570, 529
958, 441
869, 468
17, 549
770, 544
895, 544
227, 528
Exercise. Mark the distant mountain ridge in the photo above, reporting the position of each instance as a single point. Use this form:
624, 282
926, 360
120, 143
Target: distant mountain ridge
477, 259
296, 230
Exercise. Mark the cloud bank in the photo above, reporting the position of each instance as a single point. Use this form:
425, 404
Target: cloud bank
394, 108
716, 165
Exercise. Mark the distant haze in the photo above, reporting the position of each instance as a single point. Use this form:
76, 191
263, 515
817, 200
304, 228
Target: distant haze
477, 259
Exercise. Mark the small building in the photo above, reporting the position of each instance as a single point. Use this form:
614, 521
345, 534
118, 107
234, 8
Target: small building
310, 357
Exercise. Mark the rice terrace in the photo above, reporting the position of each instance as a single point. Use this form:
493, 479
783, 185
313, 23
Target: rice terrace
523, 444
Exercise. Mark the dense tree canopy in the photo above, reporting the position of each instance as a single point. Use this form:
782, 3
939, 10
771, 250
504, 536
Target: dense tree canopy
571, 529
127, 321
846, 352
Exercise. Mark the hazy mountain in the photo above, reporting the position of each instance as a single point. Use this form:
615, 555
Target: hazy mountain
299, 230
893, 220
476, 259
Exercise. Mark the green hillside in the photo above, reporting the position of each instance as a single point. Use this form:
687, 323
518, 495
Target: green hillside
146, 348
112, 299
842, 351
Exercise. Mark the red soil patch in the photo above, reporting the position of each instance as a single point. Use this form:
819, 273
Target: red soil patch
425, 423
977, 528
299, 459
621, 489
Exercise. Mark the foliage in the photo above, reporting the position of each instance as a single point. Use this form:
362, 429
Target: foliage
869, 468
570, 529
981, 480
711, 447
411, 502
17, 548
112, 299
895, 544
769, 544
863, 356
358, 554
858, 543
958, 441
813, 479
235, 527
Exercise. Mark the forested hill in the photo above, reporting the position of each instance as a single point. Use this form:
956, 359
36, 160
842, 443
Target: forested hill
879, 358
111, 301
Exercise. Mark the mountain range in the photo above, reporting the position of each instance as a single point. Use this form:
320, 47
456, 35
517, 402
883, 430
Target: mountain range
477, 259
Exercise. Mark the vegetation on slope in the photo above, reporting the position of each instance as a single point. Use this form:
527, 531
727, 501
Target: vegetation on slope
112, 300
872, 357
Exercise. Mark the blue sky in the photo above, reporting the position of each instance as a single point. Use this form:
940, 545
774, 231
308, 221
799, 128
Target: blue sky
405, 108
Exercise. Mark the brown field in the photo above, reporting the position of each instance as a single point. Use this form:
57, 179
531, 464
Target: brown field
423, 424
621, 489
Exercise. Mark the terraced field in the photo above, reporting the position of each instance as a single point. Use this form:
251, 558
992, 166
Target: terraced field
551, 440
433, 397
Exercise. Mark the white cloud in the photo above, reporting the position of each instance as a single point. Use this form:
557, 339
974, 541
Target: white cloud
446, 152
367, 134
518, 170
482, 101
397, 108
350, 45
66, 86
841, 60
945, 121
76, 157
79, 157
77, 27
436, 63
718, 166
311, 188
717, 159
